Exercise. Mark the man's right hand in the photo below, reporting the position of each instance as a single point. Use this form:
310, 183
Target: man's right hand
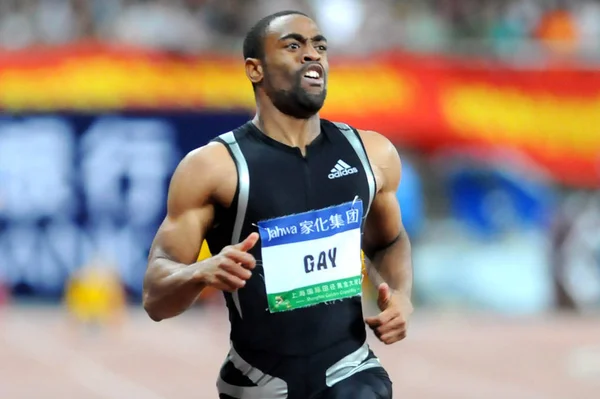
229, 270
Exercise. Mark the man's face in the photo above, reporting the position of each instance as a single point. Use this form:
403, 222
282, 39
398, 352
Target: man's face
295, 66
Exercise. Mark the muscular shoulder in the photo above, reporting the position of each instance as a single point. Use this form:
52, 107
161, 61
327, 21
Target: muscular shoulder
383, 157
206, 175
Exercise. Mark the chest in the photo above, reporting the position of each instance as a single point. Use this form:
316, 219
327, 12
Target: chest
285, 183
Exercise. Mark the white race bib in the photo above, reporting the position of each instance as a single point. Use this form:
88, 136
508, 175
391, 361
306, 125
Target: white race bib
312, 257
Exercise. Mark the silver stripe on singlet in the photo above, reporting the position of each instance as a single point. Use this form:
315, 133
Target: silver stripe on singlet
268, 387
350, 365
243, 193
354, 141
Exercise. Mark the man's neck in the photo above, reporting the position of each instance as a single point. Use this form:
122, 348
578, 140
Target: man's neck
287, 130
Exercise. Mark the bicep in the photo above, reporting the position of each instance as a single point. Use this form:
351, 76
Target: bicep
190, 214
384, 221
179, 238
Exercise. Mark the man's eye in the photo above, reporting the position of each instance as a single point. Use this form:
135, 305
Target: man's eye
293, 46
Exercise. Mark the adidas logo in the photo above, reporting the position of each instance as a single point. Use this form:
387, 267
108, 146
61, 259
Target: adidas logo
341, 169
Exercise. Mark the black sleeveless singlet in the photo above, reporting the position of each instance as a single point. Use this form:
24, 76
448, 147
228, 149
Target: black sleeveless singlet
277, 180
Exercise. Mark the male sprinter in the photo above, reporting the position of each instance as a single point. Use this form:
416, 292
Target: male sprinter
285, 203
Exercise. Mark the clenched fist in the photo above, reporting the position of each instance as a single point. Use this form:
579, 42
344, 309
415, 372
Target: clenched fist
230, 268
390, 325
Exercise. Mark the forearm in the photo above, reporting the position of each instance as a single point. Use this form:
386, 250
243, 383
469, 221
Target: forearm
170, 288
393, 265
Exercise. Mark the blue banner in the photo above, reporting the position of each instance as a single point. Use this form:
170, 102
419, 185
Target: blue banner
78, 189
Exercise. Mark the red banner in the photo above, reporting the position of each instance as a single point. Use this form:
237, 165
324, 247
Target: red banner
553, 115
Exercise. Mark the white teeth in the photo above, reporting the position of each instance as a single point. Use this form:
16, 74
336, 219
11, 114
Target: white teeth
312, 74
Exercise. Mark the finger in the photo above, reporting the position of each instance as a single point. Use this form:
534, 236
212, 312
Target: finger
393, 337
373, 322
383, 317
246, 259
231, 282
248, 243
384, 296
388, 325
393, 325
389, 314
234, 268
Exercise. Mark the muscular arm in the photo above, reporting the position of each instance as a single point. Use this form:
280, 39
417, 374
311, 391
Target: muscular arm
173, 280
385, 241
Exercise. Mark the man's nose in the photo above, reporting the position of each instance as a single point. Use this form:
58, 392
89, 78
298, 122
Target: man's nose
311, 55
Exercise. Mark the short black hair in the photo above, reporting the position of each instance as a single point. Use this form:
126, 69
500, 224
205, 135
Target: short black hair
254, 42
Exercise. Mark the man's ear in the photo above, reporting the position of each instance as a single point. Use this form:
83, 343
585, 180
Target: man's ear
254, 70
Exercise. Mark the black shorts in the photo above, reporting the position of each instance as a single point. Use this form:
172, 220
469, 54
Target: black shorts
355, 374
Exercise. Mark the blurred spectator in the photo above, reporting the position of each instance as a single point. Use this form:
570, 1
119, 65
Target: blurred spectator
162, 24
339, 31
587, 19
524, 13
557, 28
55, 21
424, 29
501, 27
257, 9
17, 29
103, 13
509, 29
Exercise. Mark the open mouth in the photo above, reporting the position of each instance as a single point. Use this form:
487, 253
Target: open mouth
314, 74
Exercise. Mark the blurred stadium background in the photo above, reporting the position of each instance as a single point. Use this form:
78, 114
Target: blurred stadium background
494, 106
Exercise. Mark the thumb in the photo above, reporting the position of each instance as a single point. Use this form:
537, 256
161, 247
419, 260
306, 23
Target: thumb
248, 243
384, 295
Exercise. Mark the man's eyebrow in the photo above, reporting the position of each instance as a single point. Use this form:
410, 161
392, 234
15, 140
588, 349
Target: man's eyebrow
302, 39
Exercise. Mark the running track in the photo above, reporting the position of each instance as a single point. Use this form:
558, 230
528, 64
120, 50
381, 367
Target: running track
445, 356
